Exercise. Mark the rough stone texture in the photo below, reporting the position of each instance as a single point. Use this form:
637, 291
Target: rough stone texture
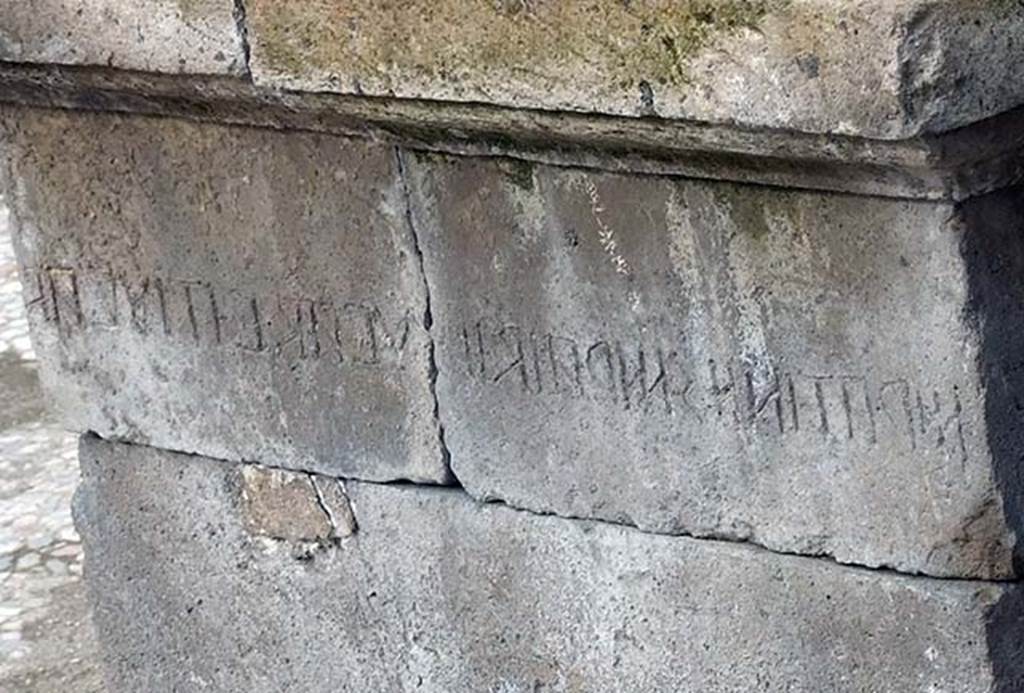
878, 68
815, 373
956, 165
172, 36
245, 294
438, 593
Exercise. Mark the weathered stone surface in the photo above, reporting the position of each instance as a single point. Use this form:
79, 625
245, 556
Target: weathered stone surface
802, 370
956, 165
879, 68
438, 593
172, 36
244, 294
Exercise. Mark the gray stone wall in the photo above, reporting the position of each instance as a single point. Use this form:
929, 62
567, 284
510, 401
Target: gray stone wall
435, 592
805, 371
875, 68
795, 369
169, 265
529, 346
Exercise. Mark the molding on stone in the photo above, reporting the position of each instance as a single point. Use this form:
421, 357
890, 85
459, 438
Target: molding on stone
954, 166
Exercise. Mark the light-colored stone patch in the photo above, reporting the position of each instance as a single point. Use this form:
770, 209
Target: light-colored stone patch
170, 36
294, 506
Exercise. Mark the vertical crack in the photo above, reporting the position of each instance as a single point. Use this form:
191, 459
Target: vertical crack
324, 507
332, 497
242, 27
428, 315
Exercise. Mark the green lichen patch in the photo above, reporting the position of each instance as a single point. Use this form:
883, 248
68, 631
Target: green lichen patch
479, 42
520, 172
192, 9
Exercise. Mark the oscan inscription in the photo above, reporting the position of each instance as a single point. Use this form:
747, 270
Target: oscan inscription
203, 315
655, 379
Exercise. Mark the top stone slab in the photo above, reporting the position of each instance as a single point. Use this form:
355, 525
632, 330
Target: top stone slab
888, 69
166, 36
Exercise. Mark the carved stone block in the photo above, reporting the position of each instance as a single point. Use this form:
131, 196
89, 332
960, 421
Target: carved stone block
813, 372
240, 293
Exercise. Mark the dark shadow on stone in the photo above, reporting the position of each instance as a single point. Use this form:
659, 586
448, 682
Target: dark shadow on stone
992, 244
21, 399
1005, 634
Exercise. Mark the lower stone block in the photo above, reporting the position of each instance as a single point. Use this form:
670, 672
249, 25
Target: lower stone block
198, 583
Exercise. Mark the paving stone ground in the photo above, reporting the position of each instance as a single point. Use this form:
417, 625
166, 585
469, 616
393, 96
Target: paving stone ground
47, 642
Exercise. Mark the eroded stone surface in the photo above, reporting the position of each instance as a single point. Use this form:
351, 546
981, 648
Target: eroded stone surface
173, 36
438, 593
798, 369
240, 293
879, 68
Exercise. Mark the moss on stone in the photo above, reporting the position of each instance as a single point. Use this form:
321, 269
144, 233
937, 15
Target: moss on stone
520, 172
751, 209
191, 9
746, 207
626, 43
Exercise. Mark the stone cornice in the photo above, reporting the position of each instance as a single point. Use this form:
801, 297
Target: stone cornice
952, 166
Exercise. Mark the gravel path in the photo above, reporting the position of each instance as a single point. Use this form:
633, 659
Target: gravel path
46, 640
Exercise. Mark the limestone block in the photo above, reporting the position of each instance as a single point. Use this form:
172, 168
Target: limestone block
878, 68
170, 36
817, 373
245, 294
437, 593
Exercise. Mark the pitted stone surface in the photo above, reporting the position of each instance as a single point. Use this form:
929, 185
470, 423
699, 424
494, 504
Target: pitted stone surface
797, 369
879, 68
437, 593
245, 294
171, 36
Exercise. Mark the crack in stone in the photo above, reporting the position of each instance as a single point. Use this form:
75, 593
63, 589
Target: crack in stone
884, 569
324, 507
746, 543
428, 315
239, 15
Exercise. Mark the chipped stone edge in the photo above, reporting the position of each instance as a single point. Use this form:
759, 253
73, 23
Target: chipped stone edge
338, 510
